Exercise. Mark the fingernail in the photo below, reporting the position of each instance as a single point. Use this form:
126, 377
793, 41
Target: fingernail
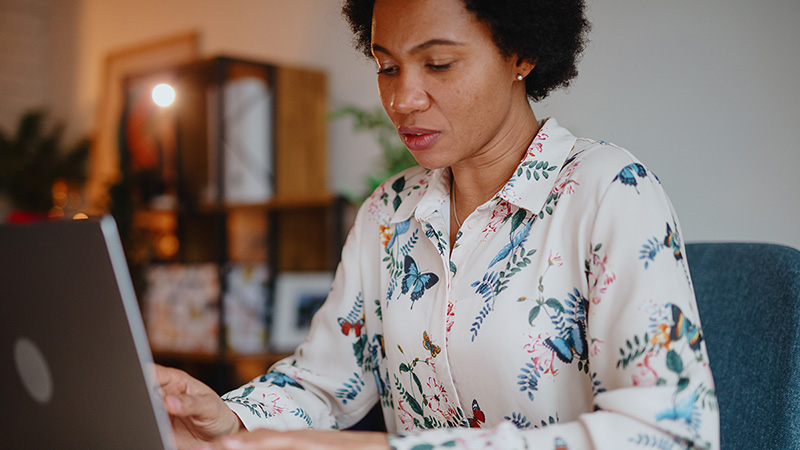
232, 443
172, 402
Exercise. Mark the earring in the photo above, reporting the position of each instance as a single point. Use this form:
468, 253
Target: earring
519, 77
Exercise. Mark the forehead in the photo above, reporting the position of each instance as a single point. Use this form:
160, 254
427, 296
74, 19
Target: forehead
401, 25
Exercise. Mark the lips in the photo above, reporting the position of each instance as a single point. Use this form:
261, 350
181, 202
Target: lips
417, 138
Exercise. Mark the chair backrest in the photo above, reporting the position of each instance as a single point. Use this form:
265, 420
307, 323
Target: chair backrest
749, 300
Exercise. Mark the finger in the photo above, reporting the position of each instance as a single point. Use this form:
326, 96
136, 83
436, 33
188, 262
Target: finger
238, 442
244, 440
234, 443
169, 376
203, 410
216, 445
258, 440
173, 405
188, 405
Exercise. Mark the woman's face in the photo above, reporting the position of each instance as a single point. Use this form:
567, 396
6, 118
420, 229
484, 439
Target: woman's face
449, 91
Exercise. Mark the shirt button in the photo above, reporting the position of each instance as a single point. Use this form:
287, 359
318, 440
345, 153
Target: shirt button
471, 225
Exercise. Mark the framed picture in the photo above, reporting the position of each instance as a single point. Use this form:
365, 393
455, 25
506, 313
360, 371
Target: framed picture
245, 303
148, 57
182, 308
298, 296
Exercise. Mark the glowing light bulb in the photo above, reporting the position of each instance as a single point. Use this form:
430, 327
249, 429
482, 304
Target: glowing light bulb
163, 94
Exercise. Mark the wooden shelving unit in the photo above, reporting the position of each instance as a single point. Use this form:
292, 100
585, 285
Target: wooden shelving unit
191, 216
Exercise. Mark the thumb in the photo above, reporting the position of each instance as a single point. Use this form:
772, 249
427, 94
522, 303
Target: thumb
187, 405
199, 408
173, 405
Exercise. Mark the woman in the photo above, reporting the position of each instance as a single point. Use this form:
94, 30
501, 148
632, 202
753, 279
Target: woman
523, 288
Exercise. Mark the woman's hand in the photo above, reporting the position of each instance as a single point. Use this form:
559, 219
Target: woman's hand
197, 413
263, 439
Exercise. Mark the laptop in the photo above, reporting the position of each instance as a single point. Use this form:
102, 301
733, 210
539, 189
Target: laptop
75, 366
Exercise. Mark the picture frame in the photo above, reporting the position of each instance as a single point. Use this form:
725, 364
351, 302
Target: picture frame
245, 304
298, 295
148, 57
181, 308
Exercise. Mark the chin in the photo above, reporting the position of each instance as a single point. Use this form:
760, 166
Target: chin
429, 162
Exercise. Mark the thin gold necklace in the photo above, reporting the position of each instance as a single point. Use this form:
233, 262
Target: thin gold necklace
453, 201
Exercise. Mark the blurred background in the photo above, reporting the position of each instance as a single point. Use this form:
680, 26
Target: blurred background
246, 181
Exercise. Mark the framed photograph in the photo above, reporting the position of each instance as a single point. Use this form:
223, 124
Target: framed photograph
182, 308
147, 57
298, 295
245, 303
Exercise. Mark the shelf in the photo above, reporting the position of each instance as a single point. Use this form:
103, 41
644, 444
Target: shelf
189, 206
242, 367
280, 202
228, 357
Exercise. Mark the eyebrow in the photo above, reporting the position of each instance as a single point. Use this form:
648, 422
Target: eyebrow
425, 45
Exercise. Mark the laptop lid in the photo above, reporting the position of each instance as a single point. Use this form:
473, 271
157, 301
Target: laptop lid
75, 366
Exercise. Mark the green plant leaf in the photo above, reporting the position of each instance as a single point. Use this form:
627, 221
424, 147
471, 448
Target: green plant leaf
414, 404
422, 447
416, 381
248, 390
533, 314
399, 184
555, 304
517, 219
674, 362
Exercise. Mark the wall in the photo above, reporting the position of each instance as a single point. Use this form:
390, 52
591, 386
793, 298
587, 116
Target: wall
704, 92
707, 94
24, 52
299, 32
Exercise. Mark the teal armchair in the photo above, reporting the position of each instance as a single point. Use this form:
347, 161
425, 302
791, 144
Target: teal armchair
749, 300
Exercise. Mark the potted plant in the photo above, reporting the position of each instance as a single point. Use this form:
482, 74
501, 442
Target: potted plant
32, 160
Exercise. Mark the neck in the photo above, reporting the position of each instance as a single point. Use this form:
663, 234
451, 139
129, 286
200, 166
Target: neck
478, 179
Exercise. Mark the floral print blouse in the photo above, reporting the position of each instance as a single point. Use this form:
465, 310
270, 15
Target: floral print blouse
563, 318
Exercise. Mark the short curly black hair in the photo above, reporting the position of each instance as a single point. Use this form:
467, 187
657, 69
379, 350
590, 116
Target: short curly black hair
551, 33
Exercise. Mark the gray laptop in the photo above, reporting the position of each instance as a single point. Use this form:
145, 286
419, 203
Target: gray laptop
75, 366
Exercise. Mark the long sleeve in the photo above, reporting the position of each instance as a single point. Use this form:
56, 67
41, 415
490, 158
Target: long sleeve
326, 383
652, 364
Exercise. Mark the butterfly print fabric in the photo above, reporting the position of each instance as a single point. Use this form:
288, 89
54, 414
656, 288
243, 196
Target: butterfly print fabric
563, 317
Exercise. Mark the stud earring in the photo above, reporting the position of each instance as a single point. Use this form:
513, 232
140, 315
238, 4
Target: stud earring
519, 77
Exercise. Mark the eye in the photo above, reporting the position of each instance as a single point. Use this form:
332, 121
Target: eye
388, 70
439, 67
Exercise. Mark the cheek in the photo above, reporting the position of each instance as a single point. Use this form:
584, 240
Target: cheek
382, 94
479, 107
469, 101
482, 89
386, 99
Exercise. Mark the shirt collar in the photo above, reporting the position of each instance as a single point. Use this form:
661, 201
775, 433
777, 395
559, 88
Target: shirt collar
536, 174
427, 192
528, 187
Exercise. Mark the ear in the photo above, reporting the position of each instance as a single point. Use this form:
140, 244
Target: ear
525, 66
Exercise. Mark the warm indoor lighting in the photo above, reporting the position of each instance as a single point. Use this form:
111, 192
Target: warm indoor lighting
167, 246
163, 94
80, 216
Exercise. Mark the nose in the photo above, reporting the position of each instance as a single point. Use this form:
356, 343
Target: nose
408, 94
